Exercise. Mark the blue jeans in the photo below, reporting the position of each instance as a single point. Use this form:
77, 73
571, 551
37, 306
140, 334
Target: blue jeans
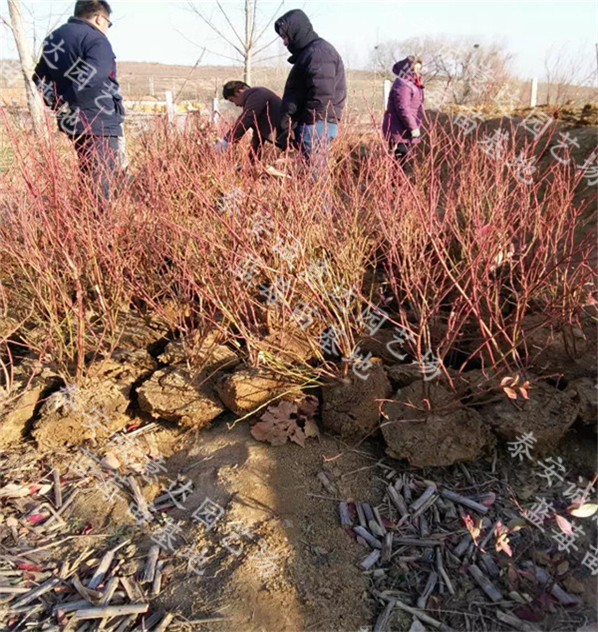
314, 142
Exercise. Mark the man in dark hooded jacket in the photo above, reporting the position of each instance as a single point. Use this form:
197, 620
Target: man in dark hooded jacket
77, 77
315, 91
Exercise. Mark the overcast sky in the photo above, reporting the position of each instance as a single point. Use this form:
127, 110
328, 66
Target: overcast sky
169, 32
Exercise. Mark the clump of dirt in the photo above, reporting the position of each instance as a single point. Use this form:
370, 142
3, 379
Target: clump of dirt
65, 428
124, 366
30, 383
589, 114
571, 352
288, 346
143, 333
175, 395
209, 354
547, 415
402, 375
98, 408
380, 345
584, 392
247, 389
350, 408
442, 434
94, 413
14, 423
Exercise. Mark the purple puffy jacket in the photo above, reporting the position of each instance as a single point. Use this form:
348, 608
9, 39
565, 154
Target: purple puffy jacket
405, 108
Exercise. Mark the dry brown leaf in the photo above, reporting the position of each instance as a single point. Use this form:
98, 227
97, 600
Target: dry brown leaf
311, 429
279, 424
308, 406
269, 431
281, 411
509, 392
297, 435
287, 420
501, 539
564, 524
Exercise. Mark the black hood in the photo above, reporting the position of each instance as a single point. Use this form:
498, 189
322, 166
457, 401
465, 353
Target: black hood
297, 27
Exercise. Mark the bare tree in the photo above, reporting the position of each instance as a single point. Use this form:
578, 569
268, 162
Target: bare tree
247, 42
566, 72
469, 71
34, 100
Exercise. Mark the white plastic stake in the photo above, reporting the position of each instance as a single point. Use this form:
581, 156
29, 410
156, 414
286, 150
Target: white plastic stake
386, 91
169, 106
215, 110
534, 93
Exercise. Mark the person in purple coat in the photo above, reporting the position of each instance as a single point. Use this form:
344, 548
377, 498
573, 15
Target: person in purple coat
405, 109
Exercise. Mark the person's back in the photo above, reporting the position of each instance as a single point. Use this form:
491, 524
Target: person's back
325, 95
315, 91
261, 114
265, 107
77, 75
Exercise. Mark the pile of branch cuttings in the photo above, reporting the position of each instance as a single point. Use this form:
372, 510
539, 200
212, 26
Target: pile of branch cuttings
441, 558
449, 561
98, 585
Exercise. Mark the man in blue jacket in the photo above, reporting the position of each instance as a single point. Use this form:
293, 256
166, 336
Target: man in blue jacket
77, 76
315, 91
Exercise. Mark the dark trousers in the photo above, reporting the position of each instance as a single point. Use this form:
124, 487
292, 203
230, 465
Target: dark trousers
400, 151
257, 148
98, 160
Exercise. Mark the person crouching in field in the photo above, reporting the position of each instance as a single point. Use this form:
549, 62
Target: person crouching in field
405, 109
261, 114
76, 75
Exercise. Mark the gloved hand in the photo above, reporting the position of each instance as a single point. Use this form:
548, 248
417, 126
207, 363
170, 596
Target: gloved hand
282, 141
415, 133
220, 145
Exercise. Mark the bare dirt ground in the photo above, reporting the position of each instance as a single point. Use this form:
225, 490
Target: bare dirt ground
278, 557
274, 495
